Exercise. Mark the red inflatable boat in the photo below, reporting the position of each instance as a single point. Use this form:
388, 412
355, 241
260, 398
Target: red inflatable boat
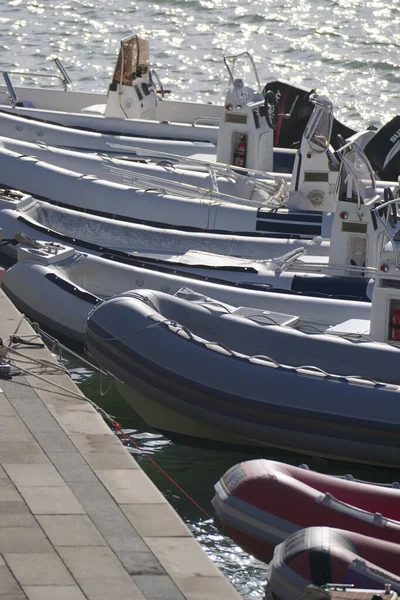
259, 503
320, 555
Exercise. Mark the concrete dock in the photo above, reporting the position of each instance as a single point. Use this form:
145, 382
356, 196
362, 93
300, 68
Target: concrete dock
79, 519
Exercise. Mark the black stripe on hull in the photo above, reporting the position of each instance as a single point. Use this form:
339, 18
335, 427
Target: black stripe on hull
228, 405
284, 222
296, 217
289, 228
262, 232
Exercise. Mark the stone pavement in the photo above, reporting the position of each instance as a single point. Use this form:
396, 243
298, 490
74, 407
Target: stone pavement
79, 519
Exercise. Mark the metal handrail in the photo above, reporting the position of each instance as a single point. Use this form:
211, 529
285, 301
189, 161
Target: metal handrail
12, 96
184, 189
182, 160
313, 122
153, 72
235, 57
376, 211
197, 119
342, 155
65, 80
295, 263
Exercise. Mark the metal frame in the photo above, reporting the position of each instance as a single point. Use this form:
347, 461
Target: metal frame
153, 73
385, 225
64, 80
324, 106
349, 167
235, 57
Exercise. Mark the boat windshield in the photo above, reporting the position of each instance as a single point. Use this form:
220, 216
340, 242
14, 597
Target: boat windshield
133, 60
356, 179
243, 77
319, 127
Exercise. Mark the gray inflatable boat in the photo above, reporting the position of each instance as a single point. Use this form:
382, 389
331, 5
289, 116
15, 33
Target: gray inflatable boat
202, 369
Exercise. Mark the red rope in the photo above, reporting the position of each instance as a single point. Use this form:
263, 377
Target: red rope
128, 438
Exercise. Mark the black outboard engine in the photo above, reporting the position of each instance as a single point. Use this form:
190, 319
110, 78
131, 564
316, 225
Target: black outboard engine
296, 102
383, 151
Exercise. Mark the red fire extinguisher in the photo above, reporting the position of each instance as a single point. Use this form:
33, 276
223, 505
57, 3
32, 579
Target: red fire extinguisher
396, 325
239, 156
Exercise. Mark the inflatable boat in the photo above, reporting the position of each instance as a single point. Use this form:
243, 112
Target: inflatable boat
324, 417
198, 209
181, 390
95, 234
135, 103
260, 503
193, 367
358, 235
239, 134
73, 281
344, 273
247, 206
320, 555
133, 107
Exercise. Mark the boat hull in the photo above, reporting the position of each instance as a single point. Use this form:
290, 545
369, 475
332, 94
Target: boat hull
253, 505
320, 555
240, 396
200, 212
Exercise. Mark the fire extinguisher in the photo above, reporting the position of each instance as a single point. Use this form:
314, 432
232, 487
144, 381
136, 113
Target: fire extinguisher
239, 156
396, 325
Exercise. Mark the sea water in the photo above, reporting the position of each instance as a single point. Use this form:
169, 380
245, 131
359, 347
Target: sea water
346, 49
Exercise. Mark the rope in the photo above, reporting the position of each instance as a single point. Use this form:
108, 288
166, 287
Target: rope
44, 363
132, 333
129, 439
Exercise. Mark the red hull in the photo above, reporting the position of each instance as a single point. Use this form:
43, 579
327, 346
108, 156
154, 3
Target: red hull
260, 503
320, 555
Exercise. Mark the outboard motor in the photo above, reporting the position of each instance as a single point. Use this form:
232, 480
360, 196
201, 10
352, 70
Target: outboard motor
383, 151
295, 107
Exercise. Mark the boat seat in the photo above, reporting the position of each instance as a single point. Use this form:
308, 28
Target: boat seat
266, 317
97, 109
358, 327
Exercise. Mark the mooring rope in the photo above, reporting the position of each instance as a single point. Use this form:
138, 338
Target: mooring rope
43, 363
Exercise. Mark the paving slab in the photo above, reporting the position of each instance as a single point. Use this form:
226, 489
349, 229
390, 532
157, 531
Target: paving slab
71, 530
155, 520
16, 514
53, 592
79, 519
32, 568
